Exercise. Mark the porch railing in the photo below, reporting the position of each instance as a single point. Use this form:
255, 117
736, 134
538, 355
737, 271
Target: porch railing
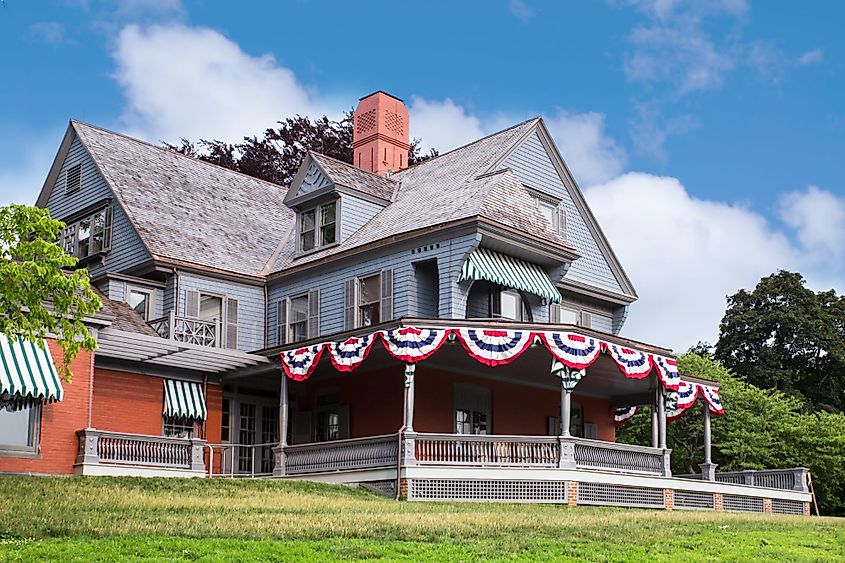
240, 460
338, 455
187, 330
792, 479
619, 457
97, 447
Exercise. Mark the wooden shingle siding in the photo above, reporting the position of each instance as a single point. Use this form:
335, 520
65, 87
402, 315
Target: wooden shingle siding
354, 214
127, 250
534, 167
250, 330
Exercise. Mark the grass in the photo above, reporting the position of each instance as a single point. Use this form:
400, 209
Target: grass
107, 519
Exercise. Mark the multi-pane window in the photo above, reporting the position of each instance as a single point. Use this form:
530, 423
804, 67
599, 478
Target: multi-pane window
246, 436
298, 323
269, 435
90, 235
512, 306
226, 421
19, 426
369, 297
179, 427
140, 302
318, 226
470, 422
553, 213
472, 409
328, 416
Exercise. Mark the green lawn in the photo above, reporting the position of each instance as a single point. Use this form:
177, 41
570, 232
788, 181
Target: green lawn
103, 519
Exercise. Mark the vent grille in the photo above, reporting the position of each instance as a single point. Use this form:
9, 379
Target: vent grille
366, 121
73, 179
492, 490
781, 506
393, 122
737, 503
619, 495
385, 488
693, 500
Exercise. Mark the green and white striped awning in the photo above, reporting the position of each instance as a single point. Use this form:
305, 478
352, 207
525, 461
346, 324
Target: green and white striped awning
27, 371
183, 400
485, 264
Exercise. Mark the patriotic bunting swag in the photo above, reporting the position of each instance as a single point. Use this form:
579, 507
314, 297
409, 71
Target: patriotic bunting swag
574, 350
572, 354
494, 347
347, 355
411, 344
623, 415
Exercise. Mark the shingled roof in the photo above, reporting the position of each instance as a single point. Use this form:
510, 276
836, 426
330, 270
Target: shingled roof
187, 210
345, 174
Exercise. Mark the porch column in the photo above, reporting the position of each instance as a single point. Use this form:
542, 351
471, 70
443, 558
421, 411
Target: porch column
408, 442
565, 411
708, 468
568, 380
661, 415
655, 432
279, 457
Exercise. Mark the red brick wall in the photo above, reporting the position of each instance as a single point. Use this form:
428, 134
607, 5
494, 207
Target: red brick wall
375, 403
127, 402
59, 422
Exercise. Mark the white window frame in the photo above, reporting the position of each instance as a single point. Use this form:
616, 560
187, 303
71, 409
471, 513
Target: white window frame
472, 398
150, 293
290, 322
13, 450
318, 226
359, 304
70, 236
177, 422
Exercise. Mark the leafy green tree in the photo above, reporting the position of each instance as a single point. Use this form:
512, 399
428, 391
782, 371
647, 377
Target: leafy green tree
276, 156
761, 429
40, 293
784, 336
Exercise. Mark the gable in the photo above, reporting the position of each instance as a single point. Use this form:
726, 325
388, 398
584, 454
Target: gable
127, 249
535, 167
313, 180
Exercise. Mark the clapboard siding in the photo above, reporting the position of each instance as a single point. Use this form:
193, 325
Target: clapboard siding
602, 323
250, 306
355, 213
448, 253
127, 250
534, 167
425, 289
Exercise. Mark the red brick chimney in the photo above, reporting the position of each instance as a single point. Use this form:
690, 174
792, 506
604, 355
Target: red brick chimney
380, 135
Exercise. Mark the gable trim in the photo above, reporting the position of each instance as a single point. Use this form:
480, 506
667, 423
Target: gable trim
290, 198
56, 167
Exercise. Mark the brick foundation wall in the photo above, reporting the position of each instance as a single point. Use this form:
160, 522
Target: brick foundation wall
717, 502
572, 493
59, 422
669, 499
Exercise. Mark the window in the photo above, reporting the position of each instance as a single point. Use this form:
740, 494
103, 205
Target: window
226, 421
211, 307
472, 409
576, 422
90, 235
553, 213
328, 416
246, 435
512, 306
179, 427
269, 435
318, 226
140, 301
298, 327
19, 423
369, 297
73, 179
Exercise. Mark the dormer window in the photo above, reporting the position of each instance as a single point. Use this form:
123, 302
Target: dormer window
318, 226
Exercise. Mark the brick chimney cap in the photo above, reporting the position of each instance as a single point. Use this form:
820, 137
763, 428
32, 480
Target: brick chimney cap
381, 92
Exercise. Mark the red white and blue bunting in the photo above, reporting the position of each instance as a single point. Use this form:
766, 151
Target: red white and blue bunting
300, 364
494, 347
568, 376
622, 415
632, 363
573, 350
681, 400
348, 355
667, 371
411, 345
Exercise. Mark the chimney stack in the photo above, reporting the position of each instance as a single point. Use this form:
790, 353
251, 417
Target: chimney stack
380, 134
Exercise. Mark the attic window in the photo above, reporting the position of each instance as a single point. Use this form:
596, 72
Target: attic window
318, 226
554, 214
73, 179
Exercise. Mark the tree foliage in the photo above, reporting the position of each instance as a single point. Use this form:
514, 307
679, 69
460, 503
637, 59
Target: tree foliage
276, 156
39, 295
761, 429
784, 336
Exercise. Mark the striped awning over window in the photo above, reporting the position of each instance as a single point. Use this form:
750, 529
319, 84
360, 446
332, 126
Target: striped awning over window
183, 400
485, 264
27, 371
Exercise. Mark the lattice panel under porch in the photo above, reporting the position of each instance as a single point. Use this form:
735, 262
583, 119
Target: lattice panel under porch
781, 506
487, 490
737, 503
619, 495
385, 488
692, 500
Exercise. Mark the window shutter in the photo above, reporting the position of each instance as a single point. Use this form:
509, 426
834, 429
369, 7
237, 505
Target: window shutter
554, 313
591, 431
553, 426
350, 298
282, 321
314, 313
495, 302
561, 221
342, 422
107, 229
586, 319
192, 303
232, 323
386, 306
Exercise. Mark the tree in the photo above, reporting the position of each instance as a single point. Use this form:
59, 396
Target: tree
787, 337
40, 294
761, 428
276, 156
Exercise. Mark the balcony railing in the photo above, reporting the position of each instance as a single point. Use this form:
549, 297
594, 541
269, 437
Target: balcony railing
187, 330
339, 455
97, 447
792, 479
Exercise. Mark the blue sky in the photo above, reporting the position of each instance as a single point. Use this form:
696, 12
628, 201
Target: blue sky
708, 135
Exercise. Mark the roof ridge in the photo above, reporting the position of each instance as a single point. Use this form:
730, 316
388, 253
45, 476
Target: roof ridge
351, 165
484, 138
172, 152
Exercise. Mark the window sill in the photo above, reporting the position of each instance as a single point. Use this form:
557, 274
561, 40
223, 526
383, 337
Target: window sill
20, 454
302, 253
92, 258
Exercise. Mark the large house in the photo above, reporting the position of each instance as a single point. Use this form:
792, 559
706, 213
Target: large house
449, 330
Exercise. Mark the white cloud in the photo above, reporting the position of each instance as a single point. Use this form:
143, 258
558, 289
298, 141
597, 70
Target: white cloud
50, 32
519, 9
592, 155
684, 255
443, 125
193, 82
811, 57
818, 218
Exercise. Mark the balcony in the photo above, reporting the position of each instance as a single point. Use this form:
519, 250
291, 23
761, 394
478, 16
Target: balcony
117, 453
188, 330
